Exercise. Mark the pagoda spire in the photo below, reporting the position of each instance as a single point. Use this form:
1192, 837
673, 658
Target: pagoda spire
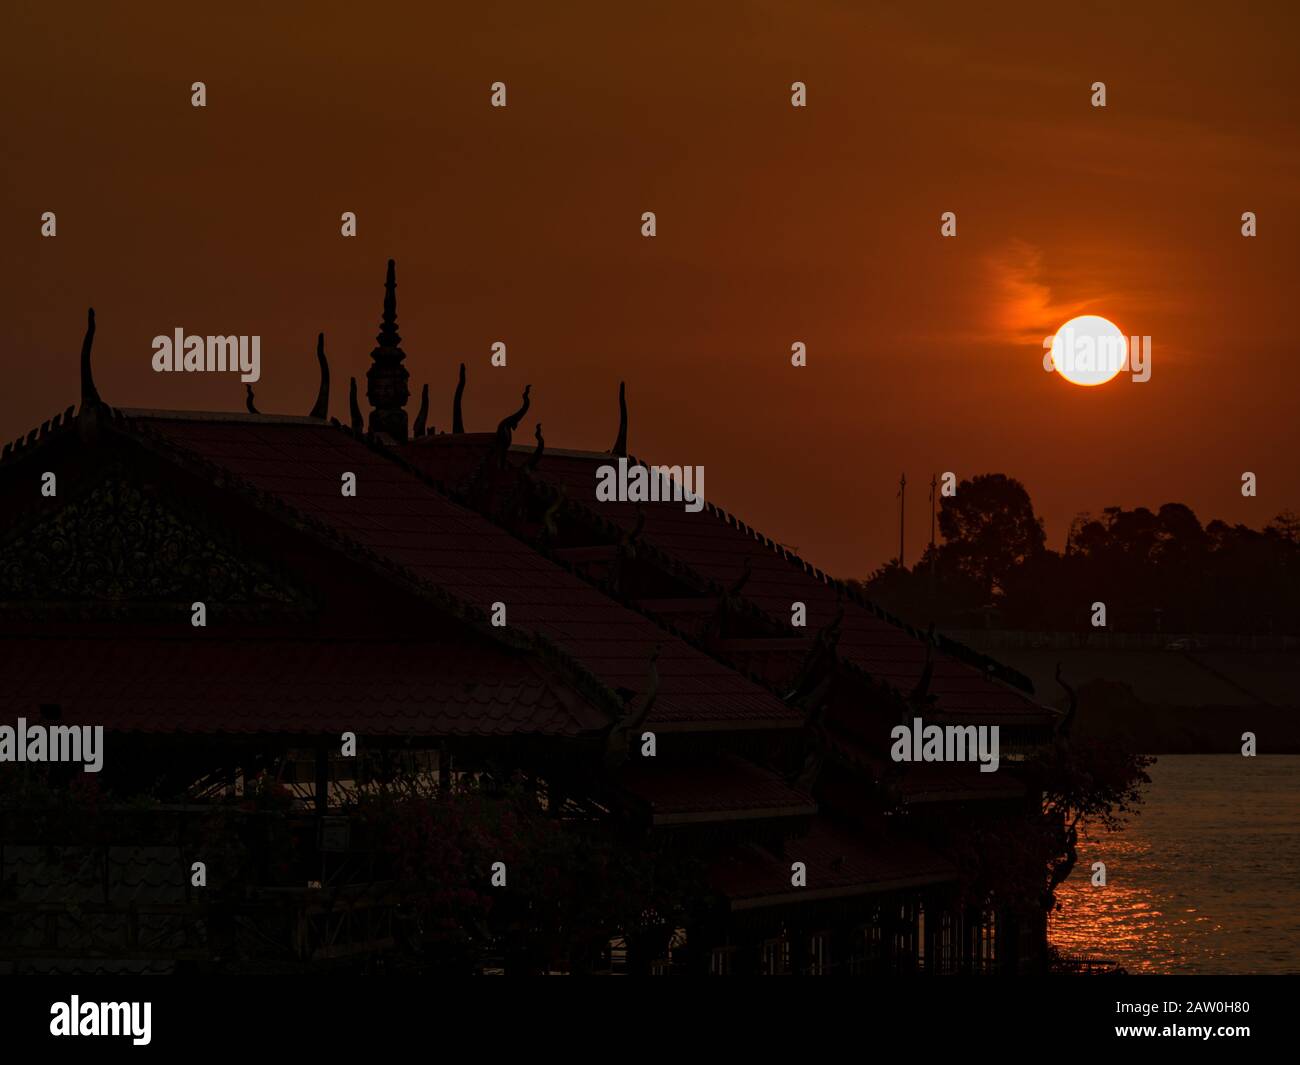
386, 379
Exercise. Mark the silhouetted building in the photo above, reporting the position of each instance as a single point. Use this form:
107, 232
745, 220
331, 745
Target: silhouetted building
372, 613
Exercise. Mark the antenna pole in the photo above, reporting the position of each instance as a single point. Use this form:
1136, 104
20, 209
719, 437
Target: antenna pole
902, 498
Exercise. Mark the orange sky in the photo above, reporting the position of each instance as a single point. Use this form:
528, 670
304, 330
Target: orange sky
775, 225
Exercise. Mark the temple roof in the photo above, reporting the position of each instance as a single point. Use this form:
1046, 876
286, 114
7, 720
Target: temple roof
94, 886
573, 658
840, 862
397, 516
720, 550
722, 789
279, 684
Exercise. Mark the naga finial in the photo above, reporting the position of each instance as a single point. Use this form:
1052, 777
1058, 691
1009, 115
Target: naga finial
89, 394
458, 423
620, 445
322, 408
354, 408
422, 414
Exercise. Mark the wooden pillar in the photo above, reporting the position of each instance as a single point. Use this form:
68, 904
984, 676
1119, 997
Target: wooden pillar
800, 953
969, 938
444, 770
930, 942
322, 776
839, 949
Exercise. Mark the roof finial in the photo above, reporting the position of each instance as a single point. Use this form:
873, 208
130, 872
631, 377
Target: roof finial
322, 408
418, 431
636, 709
536, 456
248, 400
89, 393
507, 425
921, 695
386, 379
457, 423
358, 423
620, 445
511, 421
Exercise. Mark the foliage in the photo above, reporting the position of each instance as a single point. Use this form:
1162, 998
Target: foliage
1158, 571
990, 530
1024, 858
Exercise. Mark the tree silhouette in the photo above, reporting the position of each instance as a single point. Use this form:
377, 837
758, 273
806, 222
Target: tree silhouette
989, 530
1157, 571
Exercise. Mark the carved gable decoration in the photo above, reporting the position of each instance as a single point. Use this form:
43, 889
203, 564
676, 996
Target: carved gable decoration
119, 544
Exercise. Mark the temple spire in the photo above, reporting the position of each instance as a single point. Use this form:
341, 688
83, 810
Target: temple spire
386, 379
388, 336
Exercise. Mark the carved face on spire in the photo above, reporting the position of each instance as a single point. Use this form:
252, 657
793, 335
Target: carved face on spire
386, 379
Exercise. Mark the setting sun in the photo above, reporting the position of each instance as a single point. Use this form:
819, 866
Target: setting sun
1089, 350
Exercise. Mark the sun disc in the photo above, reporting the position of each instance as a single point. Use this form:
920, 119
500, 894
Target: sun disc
1089, 350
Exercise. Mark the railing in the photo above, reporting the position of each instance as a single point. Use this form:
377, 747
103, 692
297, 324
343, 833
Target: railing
998, 639
1083, 965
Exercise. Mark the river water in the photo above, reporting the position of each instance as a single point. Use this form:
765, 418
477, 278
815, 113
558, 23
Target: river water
1206, 879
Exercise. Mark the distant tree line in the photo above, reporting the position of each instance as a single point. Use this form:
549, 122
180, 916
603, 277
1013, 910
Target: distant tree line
1156, 571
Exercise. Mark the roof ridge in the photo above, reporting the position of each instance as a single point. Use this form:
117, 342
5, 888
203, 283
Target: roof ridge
164, 414
984, 664
673, 564
576, 671
58, 424
457, 497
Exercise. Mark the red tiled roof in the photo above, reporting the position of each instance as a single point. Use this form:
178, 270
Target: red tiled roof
398, 516
716, 547
207, 684
839, 862
919, 782
451, 458
939, 782
726, 788
79, 880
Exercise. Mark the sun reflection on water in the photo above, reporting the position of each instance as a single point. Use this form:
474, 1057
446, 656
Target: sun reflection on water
1202, 881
